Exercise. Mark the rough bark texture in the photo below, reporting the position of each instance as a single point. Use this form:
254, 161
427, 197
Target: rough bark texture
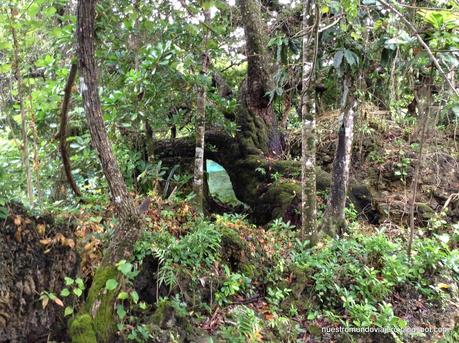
259, 133
334, 215
27, 268
63, 130
308, 135
198, 180
25, 139
96, 319
127, 233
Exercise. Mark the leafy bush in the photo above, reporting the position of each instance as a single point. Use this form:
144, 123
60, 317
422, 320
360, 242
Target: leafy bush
352, 277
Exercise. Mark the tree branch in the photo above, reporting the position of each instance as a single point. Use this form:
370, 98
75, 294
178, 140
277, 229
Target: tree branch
63, 130
421, 41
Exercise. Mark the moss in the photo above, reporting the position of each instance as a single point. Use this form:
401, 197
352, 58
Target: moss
81, 329
97, 316
101, 302
168, 311
233, 248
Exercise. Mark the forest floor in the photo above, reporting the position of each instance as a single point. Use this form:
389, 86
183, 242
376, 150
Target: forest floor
224, 279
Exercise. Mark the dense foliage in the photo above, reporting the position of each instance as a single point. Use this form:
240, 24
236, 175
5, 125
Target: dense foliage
241, 271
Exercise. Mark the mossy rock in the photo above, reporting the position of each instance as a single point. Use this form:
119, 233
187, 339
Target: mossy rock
170, 320
233, 248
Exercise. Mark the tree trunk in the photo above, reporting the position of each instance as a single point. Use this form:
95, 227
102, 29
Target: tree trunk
25, 139
334, 215
198, 180
308, 133
125, 235
259, 133
95, 322
63, 130
424, 101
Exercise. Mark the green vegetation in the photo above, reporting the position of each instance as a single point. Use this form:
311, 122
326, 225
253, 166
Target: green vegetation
110, 229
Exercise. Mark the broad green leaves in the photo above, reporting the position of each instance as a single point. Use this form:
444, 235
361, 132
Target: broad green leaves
346, 55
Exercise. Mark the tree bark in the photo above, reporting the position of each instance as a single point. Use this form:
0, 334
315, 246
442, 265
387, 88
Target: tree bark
95, 322
308, 135
334, 219
20, 84
198, 179
424, 100
63, 130
259, 132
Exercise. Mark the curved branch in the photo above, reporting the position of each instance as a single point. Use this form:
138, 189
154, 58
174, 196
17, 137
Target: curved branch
63, 130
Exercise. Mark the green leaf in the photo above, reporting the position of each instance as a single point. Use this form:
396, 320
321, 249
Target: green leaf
135, 297
125, 267
207, 5
121, 312
78, 292
68, 281
351, 57
49, 12
68, 311
338, 59
3, 212
33, 9
111, 284
65, 292
80, 283
123, 295
5, 68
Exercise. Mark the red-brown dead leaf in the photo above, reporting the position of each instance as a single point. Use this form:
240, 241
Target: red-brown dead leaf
59, 302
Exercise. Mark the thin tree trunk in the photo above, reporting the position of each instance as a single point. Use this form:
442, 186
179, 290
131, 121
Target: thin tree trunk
63, 130
25, 140
127, 233
308, 136
198, 180
424, 101
36, 157
334, 219
95, 322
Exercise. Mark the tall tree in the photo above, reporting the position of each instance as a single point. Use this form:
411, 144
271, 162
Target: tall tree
334, 214
198, 180
259, 130
308, 132
20, 85
95, 322
127, 233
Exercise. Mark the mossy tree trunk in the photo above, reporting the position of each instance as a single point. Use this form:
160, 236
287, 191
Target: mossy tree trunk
308, 132
334, 215
95, 322
259, 134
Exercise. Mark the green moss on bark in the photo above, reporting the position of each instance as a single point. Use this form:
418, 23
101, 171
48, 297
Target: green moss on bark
96, 320
81, 329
